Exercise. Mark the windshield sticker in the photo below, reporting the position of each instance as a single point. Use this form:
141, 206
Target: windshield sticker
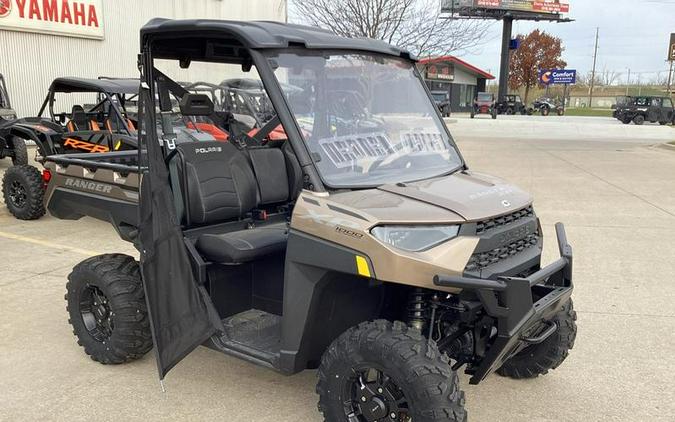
347, 151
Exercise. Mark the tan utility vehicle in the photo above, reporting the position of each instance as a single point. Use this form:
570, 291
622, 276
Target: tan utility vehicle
358, 243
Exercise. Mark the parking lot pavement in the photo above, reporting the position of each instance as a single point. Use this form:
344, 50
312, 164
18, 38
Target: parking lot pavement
615, 195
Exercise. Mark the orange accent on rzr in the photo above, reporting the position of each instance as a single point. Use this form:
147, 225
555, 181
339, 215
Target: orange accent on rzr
213, 130
94, 126
85, 146
277, 134
130, 125
70, 126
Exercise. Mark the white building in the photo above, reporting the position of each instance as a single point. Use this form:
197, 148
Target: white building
43, 39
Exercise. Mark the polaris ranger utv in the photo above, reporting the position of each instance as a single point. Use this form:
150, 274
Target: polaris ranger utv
361, 245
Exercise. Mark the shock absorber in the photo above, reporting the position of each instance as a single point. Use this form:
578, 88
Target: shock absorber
418, 309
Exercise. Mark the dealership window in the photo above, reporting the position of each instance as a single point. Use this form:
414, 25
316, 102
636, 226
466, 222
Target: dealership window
466, 95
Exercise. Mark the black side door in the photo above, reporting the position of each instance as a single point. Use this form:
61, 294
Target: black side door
654, 110
667, 111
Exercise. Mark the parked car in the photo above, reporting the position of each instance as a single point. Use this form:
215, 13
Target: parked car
511, 104
484, 104
361, 245
644, 108
442, 101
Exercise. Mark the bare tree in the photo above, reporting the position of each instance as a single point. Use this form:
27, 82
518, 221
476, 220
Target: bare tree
608, 77
415, 25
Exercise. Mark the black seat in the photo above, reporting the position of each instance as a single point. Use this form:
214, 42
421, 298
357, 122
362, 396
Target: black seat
218, 185
78, 119
244, 245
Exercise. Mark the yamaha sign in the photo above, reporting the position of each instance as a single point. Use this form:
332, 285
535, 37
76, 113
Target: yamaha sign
71, 18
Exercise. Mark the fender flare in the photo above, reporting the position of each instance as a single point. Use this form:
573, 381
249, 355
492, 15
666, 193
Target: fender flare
41, 139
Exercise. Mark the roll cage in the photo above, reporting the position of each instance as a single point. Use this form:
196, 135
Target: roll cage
112, 95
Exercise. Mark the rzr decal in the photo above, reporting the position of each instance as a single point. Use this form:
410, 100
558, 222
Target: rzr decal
85, 146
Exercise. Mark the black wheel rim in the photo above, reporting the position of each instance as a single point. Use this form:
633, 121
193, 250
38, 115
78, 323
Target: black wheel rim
96, 313
17, 194
374, 397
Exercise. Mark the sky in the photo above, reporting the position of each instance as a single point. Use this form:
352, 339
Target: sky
633, 34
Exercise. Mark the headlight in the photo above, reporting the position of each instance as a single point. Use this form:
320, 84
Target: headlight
414, 238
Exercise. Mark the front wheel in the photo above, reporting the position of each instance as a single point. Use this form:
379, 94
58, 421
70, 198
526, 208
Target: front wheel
639, 119
106, 307
545, 111
383, 371
23, 191
538, 359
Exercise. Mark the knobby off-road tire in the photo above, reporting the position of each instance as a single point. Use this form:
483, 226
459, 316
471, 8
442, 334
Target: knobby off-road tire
538, 359
639, 119
410, 365
20, 151
23, 192
106, 307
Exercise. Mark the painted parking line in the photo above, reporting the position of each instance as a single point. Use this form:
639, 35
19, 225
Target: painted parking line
48, 244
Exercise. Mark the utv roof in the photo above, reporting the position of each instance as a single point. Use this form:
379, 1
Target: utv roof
115, 86
255, 35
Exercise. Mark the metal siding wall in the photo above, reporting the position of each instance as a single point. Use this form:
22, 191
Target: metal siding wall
31, 61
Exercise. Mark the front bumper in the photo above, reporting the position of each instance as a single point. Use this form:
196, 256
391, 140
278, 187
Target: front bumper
510, 301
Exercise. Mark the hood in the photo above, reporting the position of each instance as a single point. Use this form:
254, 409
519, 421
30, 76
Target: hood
462, 196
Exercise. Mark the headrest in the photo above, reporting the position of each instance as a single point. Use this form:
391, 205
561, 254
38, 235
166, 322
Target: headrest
196, 105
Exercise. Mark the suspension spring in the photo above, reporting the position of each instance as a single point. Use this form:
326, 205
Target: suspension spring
418, 309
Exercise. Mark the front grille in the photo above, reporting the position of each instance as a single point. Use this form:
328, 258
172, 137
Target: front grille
485, 225
481, 260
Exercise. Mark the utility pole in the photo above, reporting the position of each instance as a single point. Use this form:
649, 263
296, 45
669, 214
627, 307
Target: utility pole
670, 76
595, 60
504, 64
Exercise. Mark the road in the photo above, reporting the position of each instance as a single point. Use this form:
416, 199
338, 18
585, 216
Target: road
613, 190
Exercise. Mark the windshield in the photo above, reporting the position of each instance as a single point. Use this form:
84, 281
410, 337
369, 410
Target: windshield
484, 97
366, 120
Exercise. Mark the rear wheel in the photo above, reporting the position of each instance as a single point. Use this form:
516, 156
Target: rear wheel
23, 191
663, 123
561, 112
106, 306
383, 371
494, 114
20, 151
473, 114
639, 119
538, 359
510, 111
545, 111
626, 120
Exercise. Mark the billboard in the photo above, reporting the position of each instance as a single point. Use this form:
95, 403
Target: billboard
671, 48
557, 76
71, 18
555, 7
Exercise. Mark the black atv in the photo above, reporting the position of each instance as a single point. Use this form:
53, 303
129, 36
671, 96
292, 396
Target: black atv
10, 146
644, 109
545, 106
511, 104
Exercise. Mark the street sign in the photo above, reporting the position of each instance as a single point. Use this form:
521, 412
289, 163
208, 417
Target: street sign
557, 76
671, 48
554, 7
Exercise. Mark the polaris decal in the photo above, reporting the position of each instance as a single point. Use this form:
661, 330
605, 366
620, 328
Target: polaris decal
88, 185
208, 150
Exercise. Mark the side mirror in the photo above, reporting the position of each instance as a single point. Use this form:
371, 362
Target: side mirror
196, 105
